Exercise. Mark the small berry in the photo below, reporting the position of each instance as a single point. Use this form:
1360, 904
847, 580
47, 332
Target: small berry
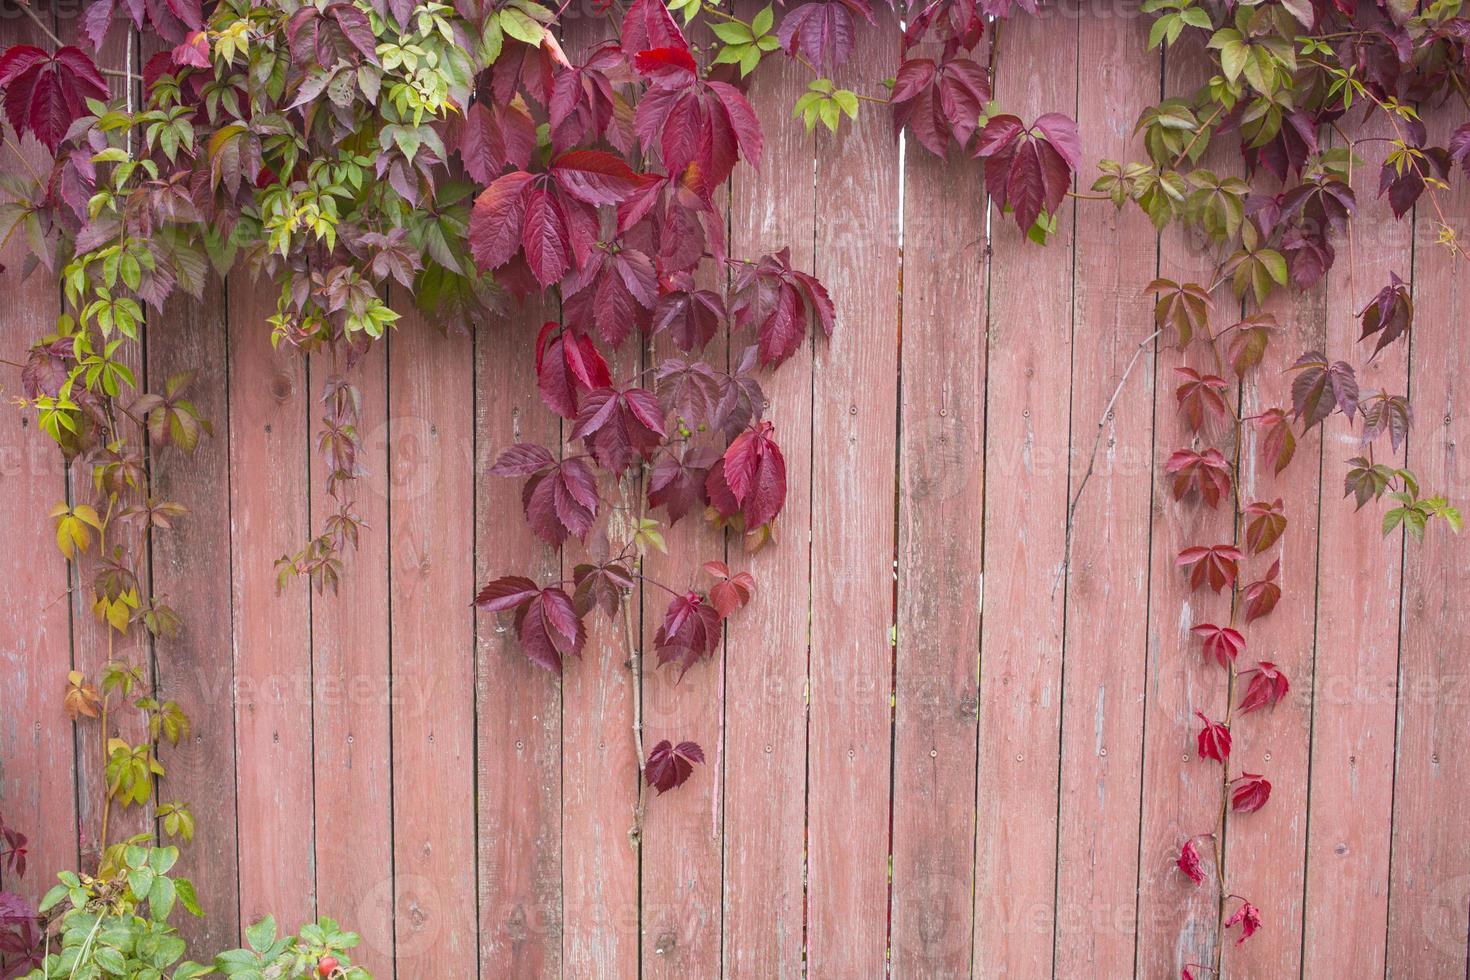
326, 965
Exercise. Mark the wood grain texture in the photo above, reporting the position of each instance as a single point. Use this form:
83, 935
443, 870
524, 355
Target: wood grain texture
1181, 793
1029, 337
1265, 851
94, 642
1353, 717
682, 864
37, 778
350, 663
191, 572
854, 406
518, 703
941, 491
1107, 578
767, 646
269, 497
1429, 892
431, 422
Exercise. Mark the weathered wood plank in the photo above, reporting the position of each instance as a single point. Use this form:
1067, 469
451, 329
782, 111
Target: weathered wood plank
1181, 792
1029, 342
431, 511
854, 406
1430, 887
941, 489
1107, 576
272, 633
191, 573
37, 778
350, 664
766, 646
519, 703
1353, 719
1265, 852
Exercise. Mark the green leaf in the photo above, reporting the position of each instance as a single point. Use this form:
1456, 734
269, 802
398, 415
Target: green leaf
262, 934
521, 27
161, 899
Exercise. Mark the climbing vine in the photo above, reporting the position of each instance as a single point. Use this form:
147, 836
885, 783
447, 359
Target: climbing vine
474, 153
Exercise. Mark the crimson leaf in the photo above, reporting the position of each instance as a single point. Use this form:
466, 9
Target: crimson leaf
46, 93
669, 766
689, 633
1029, 169
1266, 687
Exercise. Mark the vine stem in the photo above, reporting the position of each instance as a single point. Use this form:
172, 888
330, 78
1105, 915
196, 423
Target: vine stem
635, 668
1102, 421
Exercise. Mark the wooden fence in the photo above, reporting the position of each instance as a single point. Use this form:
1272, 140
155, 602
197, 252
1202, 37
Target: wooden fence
938, 753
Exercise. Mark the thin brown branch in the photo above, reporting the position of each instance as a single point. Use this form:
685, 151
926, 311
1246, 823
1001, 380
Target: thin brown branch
1102, 422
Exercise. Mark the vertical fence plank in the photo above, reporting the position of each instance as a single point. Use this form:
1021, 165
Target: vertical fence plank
272, 633
1266, 851
1029, 340
681, 851
431, 567
1430, 888
350, 663
854, 407
94, 642
941, 489
1107, 573
519, 703
766, 646
1353, 723
191, 573
600, 778
37, 780
1181, 793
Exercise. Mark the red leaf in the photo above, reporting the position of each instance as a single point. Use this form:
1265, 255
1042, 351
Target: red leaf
1029, 169
618, 424
550, 629
939, 103
1278, 443
821, 31
677, 483
1250, 794
506, 592
495, 221
1215, 566
602, 585
546, 237
1389, 314
1220, 642
755, 471
1321, 387
669, 766
1266, 687
1207, 472
1261, 597
1267, 522
1213, 739
44, 93
782, 303
731, 592
1190, 864
561, 501
1199, 396
690, 631
1247, 915
691, 318
595, 176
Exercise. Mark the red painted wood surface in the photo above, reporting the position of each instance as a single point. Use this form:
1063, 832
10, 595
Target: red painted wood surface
1026, 764
431, 497
37, 792
197, 669
1429, 890
1181, 792
1358, 618
350, 663
518, 705
941, 490
1026, 465
1107, 577
854, 409
269, 510
767, 648
1264, 851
